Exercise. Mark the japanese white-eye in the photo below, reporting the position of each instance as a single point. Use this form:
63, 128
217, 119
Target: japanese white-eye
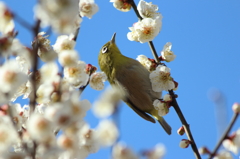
133, 78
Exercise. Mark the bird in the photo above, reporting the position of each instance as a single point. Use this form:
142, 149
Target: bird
133, 78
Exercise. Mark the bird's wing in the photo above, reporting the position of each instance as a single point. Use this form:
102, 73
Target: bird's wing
135, 81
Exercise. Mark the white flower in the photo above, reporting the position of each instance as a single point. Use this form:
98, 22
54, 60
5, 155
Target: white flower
24, 55
66, 142
157, 153
88, 139
120, 151
161, 79
107, 103
147, 10
76, 75
45, 50
88, 8
107, 133
49, 72
8, 134
78, 108
17, 115
57, 13
145, 30
161, 107
6, 19
40, 129
97, 79
223, 155
64, 42
145, 61
121, 5
68, 58
233, 144
59, 114
167, 54
67, 25
11, 77
44, 92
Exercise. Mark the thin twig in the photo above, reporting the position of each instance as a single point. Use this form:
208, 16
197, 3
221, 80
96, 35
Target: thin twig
150, 43
224, 136
35, 64
175, 104
185, 125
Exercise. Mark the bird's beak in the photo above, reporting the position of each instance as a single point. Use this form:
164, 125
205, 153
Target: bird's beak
113, 38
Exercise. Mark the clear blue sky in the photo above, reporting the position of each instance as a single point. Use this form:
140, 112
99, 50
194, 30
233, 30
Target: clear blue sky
206, 39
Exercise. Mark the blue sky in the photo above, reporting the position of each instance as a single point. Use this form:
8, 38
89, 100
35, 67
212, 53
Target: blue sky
206, 39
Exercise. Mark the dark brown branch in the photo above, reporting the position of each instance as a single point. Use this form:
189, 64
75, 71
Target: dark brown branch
224, 136
185, 124
76, 34
35, 64
175, 104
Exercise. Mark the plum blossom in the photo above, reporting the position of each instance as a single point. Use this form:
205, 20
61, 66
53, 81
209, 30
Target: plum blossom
106, 104
97, 79
56, 13
76, 75
122, 5
147, 10
45, 50
40, 128
161, 79
107, 133
167, 54
121, 151
145, 30
156, 153
144, 61
68, 57
6, 19
8, 134
88, 139
11, 77
64, 42
161, 107
233, 143
223, 155
88, 8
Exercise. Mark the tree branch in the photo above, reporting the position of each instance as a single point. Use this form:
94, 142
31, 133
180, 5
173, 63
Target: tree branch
185, 124
224, 136
175, 104
35, 46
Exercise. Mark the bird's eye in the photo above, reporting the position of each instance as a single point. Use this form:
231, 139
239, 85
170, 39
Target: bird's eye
104, 49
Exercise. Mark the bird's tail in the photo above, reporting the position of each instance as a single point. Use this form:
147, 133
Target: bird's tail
165, 126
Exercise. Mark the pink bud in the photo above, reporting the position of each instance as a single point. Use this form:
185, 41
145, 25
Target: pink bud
181, 131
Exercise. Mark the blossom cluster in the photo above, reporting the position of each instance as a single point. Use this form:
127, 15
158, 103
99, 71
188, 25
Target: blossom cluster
52, 125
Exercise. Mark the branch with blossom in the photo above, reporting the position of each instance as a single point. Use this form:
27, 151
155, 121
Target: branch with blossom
52, 125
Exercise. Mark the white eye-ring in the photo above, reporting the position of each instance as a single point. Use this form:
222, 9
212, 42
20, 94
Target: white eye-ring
104, 49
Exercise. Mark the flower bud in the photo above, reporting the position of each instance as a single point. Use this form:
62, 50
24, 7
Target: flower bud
184, 143
167, 98
181, 131
236, 107
204, 150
